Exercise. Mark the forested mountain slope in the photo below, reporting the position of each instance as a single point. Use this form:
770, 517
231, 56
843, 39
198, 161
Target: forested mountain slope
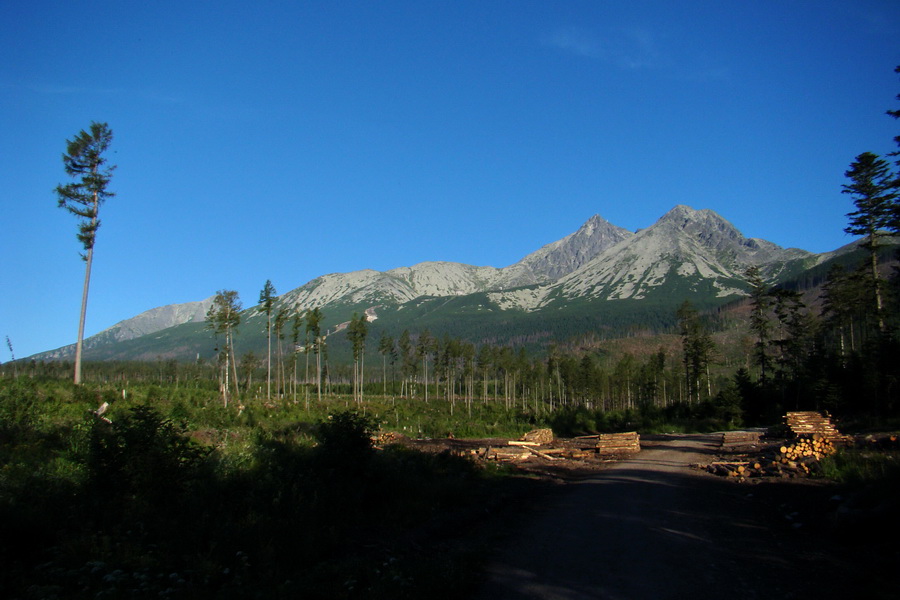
601, 277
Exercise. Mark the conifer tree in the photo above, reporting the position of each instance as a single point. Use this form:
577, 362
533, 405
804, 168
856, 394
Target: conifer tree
874, 193
266, 299
761, 303
84, 160
356, 334
385, 348
424, 348
697, 345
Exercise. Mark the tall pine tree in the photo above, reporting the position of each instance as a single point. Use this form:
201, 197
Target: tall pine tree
266, 299
84, 160
874, 193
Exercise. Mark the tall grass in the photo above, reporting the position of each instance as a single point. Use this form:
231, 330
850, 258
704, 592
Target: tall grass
862, 467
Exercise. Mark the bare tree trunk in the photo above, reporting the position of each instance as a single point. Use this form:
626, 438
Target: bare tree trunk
89, 259
318, 372
233, 362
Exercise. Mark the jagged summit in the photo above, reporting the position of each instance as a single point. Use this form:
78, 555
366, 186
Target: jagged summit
715, 233
699, 249
561, 257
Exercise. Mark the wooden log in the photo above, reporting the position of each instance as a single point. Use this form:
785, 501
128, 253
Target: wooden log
736, 438
543, 455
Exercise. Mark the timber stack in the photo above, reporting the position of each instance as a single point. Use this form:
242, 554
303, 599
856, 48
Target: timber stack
798, 459
815, 437
618, 443
740, 438
807, 423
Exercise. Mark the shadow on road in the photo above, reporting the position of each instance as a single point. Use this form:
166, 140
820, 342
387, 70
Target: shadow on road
650, 527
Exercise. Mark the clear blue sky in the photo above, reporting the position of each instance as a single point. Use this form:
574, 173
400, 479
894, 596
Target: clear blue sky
285, 140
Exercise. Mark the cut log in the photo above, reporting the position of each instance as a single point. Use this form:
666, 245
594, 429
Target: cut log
543, 455
740, 438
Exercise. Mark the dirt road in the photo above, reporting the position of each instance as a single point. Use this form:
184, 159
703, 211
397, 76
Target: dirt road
653, 527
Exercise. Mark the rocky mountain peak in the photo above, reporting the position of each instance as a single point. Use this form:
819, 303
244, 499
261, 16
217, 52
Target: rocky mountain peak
564, 256
710, 230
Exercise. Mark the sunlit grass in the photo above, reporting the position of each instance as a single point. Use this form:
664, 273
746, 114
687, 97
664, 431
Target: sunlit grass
862, 466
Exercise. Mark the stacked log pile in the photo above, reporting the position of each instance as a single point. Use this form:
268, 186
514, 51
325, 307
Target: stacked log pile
806, 423
618, 443
541, 444
798, 459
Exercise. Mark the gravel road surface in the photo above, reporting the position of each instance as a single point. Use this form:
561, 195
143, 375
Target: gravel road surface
653, 527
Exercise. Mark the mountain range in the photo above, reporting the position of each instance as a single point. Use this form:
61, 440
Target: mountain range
599, 277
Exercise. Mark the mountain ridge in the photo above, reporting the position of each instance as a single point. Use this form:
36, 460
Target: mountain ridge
686, 253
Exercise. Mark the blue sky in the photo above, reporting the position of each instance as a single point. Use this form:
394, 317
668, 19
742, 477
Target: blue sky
286, 140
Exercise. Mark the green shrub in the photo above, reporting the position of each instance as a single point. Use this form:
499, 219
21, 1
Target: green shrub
345, 439
141, 455
19, 405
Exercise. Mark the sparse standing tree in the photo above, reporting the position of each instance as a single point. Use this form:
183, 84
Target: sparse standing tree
280, 320
314, 327
223, 317
249, 363
266, 299
424, 349
354, 336
296, 324
407, 362
385, 347
84, 159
